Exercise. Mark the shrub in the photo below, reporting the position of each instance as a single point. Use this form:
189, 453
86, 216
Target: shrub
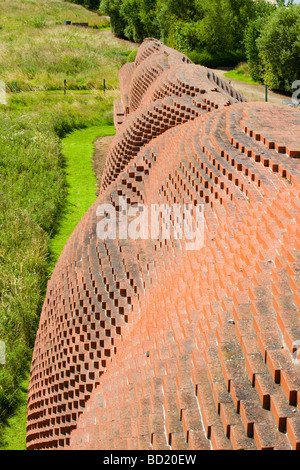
132, 55
39, 22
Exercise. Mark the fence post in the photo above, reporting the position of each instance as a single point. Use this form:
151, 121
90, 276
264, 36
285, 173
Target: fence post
2, 352
65, 87
266, 92
104, 85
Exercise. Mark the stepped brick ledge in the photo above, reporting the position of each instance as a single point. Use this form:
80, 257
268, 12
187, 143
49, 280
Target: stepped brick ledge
145, 344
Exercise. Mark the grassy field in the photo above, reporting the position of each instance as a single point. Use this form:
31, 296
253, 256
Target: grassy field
40, 157
38, 52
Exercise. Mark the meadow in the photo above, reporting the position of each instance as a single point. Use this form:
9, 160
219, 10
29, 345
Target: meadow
40, 158
38, 52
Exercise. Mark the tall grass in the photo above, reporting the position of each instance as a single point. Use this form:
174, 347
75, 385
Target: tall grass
31, 192
38, 53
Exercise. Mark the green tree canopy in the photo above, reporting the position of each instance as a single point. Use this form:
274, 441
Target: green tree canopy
279, 48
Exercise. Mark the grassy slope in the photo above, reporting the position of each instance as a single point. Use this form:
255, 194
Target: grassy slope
40, 55
38, 52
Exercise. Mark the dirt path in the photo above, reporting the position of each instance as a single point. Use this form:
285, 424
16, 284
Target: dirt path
252, 92
101, 148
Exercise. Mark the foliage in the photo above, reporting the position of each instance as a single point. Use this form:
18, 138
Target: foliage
212, 30
131, 57
273, 46
253, 31
279, 48
112, 8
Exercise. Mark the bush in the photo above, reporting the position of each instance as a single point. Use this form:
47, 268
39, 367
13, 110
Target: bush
132, 55
217, 59
184, 36
210, 30
252, 54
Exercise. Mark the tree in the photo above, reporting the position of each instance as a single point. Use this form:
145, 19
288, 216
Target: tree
149, 19
140, 19
130, 11
237, 14
223, 23
112, 9
263, 10
279, 48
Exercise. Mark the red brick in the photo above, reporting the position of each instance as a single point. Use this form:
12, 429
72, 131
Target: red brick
143, 342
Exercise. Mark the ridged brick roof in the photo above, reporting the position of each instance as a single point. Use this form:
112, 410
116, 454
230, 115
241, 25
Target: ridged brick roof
144, 344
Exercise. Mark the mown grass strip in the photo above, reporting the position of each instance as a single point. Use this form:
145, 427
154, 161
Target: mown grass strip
77, 148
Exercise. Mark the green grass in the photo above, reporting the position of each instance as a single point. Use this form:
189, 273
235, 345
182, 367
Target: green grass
77, 149
69, 92
241, 74
15, 429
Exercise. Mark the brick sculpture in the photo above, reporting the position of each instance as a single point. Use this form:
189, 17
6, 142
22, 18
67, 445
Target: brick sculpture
144, 344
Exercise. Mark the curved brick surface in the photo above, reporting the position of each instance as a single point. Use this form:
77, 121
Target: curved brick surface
162, 89
143, 344
150, 46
